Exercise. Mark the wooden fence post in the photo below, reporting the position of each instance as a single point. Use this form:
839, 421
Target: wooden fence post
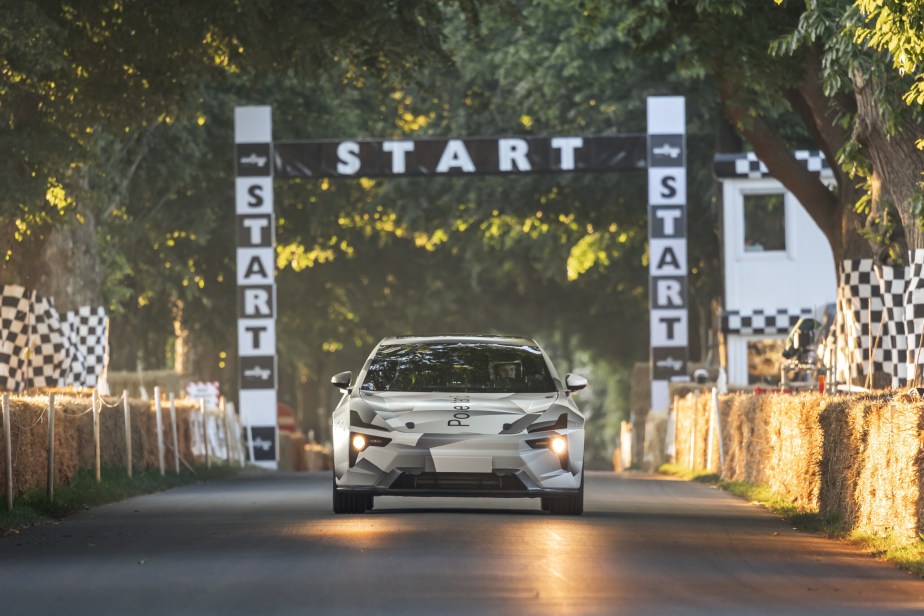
709, 438
9, 452
692, 438
718, 428
94, 398
205, 433
160, 430
51, 447
176, 448
224, 416
128, 431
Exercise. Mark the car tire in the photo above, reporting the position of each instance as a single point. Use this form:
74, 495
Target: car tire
568, 505
346, 502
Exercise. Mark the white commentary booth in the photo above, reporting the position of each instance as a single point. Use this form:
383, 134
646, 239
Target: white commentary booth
777, 264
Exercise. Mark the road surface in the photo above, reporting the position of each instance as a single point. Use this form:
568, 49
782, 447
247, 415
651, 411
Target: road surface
269, 544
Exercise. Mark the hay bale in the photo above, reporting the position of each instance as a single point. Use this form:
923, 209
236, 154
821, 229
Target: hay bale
842, 423
888, 482
291, 451
317, 457
795, 443
747, 454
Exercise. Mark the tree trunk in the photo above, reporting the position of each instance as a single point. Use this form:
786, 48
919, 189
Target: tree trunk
182, 351
897, 161
61, 263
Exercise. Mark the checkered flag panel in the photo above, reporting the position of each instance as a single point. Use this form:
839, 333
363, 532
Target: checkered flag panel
87, 337
914, 314
892, 282
48, 353
762, 322
861, 304
14, 336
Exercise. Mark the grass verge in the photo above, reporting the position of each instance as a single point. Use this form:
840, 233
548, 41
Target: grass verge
84, 492
908, 555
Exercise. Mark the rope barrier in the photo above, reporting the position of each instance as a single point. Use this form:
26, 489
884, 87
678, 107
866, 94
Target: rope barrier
117, 402
80, 414
41, 419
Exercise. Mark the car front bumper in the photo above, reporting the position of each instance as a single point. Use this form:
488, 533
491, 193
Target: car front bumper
461, 465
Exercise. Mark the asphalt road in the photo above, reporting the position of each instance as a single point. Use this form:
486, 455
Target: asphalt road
270, 545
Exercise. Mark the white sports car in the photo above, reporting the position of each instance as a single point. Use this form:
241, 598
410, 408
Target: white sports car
458, 416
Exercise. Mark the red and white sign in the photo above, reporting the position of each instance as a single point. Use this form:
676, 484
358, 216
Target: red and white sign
285, 419
204, 390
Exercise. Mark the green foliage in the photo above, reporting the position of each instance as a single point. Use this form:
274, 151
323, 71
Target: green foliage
897, 27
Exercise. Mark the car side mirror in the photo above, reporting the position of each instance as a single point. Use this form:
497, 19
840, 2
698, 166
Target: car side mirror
342, 380
574, 382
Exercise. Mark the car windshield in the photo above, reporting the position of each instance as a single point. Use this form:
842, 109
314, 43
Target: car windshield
459, 366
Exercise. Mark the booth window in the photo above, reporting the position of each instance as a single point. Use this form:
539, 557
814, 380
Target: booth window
764, 222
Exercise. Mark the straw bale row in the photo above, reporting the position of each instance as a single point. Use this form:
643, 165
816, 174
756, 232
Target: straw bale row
858, 459
296, 453
75, 443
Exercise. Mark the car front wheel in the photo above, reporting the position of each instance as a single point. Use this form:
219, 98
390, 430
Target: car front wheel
566, 505
347, 502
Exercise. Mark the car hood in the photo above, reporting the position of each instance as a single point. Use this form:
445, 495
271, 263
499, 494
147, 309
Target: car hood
442, 413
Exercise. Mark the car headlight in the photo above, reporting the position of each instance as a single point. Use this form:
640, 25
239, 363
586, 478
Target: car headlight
361, 442
557, 444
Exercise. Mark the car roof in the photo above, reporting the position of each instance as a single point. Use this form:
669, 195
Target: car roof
470, 338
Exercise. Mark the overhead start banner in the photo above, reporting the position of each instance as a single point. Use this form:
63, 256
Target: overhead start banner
466, 156
662, 151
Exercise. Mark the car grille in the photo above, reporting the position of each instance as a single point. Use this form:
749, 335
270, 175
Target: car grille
457, 481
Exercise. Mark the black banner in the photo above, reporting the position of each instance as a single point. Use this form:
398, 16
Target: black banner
458, 157
264, 443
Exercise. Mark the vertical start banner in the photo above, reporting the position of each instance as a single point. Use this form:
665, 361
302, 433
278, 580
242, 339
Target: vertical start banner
667, 242
256, 283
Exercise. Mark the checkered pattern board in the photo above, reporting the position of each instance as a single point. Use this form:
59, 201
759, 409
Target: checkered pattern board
14, 335
87, 334
861, 306
882, 308
48, 346
40, 349
747, 165
770, 323
914, 313
892, 282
